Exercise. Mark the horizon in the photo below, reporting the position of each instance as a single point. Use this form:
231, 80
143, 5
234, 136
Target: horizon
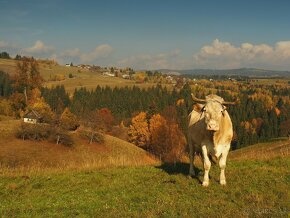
150, 34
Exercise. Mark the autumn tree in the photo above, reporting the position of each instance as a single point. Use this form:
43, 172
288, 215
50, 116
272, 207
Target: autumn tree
44, 110
68, 120
176, 143
27, 77
167, 140
139, 131
158, 131
21, 79
35, 79
106, 119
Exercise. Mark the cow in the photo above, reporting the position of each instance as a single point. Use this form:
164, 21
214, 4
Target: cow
210, 132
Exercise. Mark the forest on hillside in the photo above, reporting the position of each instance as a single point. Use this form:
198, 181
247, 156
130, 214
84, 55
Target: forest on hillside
154, 118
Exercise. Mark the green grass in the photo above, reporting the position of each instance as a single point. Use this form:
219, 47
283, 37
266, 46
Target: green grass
255, 189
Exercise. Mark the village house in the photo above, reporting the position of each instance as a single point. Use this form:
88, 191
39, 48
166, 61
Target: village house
32, 117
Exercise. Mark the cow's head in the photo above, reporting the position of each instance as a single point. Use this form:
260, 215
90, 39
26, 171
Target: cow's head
213, 110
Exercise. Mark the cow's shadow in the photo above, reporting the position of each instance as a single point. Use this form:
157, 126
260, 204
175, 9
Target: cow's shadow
180, 168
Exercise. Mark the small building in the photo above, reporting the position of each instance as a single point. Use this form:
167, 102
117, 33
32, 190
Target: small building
32, 117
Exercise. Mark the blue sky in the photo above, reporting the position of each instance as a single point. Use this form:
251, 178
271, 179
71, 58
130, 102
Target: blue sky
151, 34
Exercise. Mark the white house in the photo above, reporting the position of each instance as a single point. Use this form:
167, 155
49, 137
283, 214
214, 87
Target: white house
32, 117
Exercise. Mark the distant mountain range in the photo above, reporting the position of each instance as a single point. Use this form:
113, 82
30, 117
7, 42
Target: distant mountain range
251, 72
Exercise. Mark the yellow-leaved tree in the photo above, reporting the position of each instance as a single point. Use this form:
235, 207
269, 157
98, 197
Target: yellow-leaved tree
68, 120
44, 110
138, 132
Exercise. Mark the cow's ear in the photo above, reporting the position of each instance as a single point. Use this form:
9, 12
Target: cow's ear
198, 107
223, 111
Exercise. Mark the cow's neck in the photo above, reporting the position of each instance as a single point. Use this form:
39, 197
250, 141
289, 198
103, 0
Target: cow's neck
217, 136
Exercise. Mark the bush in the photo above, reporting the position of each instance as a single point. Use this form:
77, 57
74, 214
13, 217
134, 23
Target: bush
43, 132
63, 138
92, 136
33, 131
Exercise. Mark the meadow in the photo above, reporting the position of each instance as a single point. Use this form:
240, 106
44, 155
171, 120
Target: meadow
117, 179
80, 77
254, 189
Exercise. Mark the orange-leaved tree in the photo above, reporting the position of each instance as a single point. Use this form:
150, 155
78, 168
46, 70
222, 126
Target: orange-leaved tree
159, 130
167, 140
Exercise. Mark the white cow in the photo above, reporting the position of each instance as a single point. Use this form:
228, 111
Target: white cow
210, 133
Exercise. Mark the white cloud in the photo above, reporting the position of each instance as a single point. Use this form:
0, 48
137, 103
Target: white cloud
225, 55
72, 53
3, 44
101, 51
282, 50
38, 48
167, 60
77, 56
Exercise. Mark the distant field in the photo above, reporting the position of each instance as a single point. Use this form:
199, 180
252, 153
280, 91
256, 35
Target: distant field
82, 77
39, 179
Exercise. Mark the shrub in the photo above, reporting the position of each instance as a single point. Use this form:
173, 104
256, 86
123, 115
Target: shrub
63, 138
40, 132
33, 131
92, 136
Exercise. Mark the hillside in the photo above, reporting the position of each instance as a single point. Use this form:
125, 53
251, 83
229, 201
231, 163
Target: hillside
39, 155
262, 151
81, 77
254, 189
116, 179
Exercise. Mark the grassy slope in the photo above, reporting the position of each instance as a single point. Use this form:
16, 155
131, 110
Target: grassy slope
33, 156
259, 189
262, 151
71, 183
82, 77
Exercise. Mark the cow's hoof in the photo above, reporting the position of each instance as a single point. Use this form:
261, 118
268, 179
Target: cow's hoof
205, 183
223, 182
192, 175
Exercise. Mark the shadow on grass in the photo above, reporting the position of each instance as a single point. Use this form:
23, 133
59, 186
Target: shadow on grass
179, 168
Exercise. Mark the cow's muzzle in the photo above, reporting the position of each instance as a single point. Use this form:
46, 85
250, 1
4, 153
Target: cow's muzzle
212, 125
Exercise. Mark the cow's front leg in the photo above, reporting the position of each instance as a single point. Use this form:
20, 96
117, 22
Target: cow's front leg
206, 166
222, 164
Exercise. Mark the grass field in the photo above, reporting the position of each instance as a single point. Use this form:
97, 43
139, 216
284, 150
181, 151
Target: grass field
81, 77
255, 189
116, 179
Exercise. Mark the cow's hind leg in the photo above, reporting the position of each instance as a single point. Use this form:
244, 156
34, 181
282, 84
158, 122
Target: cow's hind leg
206, 165
191, 159
222, 164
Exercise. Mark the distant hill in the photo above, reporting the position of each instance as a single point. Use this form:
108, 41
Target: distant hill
251, 72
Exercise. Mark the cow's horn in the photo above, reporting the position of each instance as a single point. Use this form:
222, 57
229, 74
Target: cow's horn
198, 100
230, 103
